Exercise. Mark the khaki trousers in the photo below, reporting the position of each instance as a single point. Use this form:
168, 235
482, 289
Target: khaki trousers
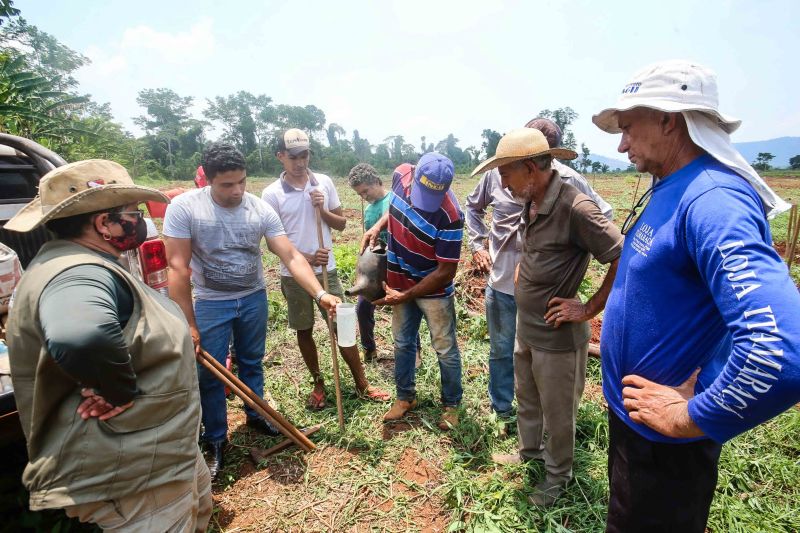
548, 386
181, 506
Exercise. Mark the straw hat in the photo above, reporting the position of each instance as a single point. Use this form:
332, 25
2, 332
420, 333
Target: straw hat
81, 187
522, 143
669, 86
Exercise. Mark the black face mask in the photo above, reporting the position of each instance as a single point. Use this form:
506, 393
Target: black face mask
135, 233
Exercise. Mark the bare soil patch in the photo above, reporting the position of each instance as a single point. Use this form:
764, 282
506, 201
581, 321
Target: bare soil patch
416, 469
596, 324
472, 283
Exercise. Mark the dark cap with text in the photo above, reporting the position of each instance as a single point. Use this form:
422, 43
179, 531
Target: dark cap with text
432, 178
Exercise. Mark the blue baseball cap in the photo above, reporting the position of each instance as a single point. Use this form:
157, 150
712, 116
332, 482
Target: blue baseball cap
432, 178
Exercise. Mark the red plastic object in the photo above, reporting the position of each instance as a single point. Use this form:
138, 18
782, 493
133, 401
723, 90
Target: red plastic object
153, 255
229, 366
200, 178
157, 209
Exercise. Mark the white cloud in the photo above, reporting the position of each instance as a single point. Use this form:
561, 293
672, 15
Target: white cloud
181, 47
143, 57
443, 17
103, 63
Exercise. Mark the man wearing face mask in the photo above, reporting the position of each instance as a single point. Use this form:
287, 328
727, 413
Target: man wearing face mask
103, 366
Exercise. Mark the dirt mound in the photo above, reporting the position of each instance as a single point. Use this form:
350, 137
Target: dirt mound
416, 469
596, 324
471, 285
418, 474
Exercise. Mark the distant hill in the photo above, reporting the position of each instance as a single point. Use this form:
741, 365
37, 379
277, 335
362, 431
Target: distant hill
612, 163
782, 148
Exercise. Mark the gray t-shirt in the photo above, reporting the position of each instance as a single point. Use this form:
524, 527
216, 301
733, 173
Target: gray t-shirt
226, 252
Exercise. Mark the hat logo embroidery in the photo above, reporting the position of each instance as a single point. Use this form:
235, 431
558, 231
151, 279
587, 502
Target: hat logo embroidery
96, 183
431, 185
632, 88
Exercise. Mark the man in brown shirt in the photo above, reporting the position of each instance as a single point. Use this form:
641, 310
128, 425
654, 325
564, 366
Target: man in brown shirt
562, 229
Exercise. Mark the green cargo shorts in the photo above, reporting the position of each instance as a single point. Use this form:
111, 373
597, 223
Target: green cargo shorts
300, 304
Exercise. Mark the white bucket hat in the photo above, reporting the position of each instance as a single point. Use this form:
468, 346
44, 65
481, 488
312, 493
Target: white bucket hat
670, 86
691, 89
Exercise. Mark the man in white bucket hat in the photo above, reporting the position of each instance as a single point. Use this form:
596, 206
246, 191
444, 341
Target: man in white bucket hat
561, 229
700, 332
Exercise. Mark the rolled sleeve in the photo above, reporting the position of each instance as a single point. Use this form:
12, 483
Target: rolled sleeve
594, 231
475, 205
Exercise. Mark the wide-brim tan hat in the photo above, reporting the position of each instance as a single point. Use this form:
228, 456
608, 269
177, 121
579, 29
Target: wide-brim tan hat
522, 143
670, 86
81, 187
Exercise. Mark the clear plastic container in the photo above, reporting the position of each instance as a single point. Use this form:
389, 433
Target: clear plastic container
346, 324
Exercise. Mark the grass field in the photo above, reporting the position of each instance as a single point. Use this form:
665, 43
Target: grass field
413, 477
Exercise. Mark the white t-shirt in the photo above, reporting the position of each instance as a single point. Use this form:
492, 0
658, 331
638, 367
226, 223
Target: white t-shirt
298, 215
226, 242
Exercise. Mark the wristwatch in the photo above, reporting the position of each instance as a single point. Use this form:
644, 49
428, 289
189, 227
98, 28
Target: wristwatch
320, 294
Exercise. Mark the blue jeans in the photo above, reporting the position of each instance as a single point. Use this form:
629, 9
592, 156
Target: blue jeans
440, 314
365, 312
501, 317
245, 319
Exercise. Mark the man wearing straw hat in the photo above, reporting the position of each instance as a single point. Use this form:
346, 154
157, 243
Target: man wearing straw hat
103, 366
213, 239
562, 229
701, 330
495, 251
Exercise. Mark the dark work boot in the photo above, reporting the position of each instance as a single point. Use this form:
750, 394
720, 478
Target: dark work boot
262, 426
215, 457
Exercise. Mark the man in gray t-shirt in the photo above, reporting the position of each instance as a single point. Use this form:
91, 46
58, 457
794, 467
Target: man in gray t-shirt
213, 236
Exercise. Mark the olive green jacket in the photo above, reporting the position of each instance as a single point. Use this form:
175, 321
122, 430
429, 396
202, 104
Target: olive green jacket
74, 461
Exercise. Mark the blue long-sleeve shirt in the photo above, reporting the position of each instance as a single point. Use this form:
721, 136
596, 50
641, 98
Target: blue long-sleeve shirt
699, 285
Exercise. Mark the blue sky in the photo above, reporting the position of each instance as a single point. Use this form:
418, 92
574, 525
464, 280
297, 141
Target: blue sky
427, 67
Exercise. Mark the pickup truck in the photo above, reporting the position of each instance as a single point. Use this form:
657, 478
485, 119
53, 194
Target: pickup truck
22, 164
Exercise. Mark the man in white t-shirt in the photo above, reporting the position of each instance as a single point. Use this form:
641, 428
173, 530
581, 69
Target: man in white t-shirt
213, 238
295, 195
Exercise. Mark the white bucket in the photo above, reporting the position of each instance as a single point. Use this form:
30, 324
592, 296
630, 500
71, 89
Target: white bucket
346, 324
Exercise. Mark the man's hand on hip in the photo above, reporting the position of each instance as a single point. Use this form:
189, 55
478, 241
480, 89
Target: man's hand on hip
95, 406
659, 407
560, 310
482, 260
